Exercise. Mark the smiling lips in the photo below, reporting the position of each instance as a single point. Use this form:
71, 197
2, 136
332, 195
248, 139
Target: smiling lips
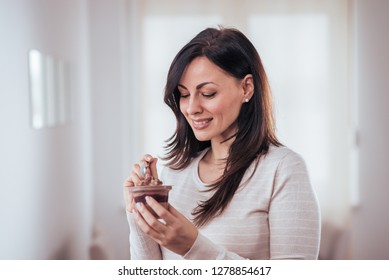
201, 124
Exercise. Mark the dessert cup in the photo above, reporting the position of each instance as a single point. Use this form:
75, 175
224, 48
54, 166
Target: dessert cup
159, 192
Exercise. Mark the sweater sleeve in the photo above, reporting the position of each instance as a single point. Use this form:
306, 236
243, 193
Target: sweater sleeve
204, 249
294, 218
142, 247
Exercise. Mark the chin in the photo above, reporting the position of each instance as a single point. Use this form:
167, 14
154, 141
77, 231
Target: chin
202, 137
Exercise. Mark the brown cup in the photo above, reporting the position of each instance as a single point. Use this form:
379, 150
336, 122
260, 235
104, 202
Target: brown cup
160, 193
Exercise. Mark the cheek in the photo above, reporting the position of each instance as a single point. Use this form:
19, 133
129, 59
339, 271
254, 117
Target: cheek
226, 109
216, 108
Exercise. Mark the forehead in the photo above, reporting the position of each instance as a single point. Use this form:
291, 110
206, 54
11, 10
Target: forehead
201, 69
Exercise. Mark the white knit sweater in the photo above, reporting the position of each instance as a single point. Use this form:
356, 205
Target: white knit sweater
274, 216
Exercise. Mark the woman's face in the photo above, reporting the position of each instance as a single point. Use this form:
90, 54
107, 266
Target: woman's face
211, 99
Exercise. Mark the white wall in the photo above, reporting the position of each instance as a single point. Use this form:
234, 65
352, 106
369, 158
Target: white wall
57, 184
109, 83
44, 191
370, 231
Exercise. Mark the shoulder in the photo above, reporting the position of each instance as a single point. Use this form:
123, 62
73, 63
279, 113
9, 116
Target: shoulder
280, 157
282, 154
290, 170
291, 160
278, 163
282, 165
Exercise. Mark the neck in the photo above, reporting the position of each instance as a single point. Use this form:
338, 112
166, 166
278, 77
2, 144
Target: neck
219, 151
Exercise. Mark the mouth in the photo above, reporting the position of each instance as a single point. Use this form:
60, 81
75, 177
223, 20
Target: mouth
201, 123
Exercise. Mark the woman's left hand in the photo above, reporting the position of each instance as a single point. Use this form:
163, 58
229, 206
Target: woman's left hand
175, 232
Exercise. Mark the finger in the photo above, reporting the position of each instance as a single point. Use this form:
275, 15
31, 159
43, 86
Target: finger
130, 208
148, 158
140, 220
151, 164
128, 182
136, 168
153, 168
174, 211
150, 219
135, 177
161, 211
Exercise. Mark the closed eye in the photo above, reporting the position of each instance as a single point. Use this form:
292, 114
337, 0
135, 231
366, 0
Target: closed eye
209, 95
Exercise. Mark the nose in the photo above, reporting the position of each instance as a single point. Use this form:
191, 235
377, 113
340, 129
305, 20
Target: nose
194, 106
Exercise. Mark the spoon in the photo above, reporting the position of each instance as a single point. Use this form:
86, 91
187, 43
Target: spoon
143, 169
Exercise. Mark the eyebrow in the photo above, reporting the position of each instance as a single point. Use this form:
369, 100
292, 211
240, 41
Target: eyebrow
198, 86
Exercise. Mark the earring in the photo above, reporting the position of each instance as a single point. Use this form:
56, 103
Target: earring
246, 100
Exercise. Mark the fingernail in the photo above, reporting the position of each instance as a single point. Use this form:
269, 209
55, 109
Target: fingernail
139, 205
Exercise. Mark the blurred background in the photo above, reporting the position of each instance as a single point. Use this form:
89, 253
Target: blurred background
81, 86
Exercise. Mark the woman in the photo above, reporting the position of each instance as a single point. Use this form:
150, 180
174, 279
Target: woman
237, 192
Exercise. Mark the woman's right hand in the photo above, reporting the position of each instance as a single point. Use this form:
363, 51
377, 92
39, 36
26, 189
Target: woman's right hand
136, 177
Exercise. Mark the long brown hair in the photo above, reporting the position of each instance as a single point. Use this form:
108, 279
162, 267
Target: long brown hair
230, 50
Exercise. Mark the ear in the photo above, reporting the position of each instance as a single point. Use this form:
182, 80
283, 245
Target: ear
248, 87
